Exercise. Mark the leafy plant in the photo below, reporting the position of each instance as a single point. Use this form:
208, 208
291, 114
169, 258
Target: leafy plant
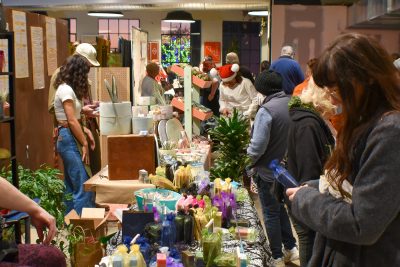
231, 137
112, 90
45, 184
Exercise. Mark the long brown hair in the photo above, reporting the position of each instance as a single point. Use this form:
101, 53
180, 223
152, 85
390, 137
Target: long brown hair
354, 62
75, 73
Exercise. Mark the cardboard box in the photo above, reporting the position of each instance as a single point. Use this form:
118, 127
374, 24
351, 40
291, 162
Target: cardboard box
92, 220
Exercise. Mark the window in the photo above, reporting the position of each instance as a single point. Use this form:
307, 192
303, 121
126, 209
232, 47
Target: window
71, 30
175, 43
111, 29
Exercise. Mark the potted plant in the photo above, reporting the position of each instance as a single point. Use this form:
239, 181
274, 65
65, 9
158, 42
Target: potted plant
231, 138
44, 184
115, 116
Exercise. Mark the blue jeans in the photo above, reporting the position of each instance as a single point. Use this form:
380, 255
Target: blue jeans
74, 172
276, 220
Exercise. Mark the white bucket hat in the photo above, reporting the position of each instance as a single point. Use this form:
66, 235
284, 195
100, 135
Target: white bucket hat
89, 52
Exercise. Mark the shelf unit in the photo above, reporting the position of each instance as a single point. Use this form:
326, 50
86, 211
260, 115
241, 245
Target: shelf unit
192, 87
9, 36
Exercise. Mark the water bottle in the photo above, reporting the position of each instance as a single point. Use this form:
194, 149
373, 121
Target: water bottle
282, 175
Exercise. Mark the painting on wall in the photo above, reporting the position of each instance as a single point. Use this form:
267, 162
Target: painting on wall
153, 52
213, 49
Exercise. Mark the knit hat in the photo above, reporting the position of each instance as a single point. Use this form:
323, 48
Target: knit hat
89, 52
268, 82
227, 72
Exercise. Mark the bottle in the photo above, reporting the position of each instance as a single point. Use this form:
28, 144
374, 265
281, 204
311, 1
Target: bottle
282, 175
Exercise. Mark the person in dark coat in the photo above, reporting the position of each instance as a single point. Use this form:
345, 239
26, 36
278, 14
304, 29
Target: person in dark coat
355, 207
310, 142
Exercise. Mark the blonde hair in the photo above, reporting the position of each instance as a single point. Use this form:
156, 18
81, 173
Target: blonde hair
319, 98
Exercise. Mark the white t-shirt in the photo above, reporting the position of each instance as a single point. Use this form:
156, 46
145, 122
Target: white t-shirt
64, 92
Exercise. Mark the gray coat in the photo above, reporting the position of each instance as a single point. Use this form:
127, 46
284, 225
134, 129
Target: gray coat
365, 233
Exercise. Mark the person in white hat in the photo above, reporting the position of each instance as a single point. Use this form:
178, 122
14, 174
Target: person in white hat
89, 108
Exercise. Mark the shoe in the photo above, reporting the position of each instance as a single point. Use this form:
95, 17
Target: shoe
279, 262
290, 255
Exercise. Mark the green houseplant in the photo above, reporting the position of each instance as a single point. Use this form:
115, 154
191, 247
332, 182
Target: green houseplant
45, 184
231, 137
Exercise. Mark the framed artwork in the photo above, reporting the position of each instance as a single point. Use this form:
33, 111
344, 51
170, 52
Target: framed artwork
153, 51
213, 49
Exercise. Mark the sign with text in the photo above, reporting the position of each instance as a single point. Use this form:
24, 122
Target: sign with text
213, 49
153, 51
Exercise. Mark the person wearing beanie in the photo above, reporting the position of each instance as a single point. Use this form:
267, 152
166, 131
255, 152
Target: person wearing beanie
268, 142
235, 91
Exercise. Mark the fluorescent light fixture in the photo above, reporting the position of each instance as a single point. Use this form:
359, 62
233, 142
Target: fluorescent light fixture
105, 14
259, 13
179, 16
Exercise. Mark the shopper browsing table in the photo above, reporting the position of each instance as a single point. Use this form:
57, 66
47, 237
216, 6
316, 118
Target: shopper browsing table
73, 146
356, 213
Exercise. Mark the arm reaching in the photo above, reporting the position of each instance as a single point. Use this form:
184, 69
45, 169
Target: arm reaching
11, 198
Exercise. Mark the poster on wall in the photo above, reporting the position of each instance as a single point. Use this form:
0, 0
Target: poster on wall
4, 66
153, 51
37, 57
213, 49
51, 45
21, 44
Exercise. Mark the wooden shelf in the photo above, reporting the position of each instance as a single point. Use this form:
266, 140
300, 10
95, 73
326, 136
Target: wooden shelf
196, 113
196, 80
6, 73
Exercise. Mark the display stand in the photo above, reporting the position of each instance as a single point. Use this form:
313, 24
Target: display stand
192, 87
9, 71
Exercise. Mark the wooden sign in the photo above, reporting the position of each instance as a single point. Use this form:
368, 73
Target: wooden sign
153, 51
213, 49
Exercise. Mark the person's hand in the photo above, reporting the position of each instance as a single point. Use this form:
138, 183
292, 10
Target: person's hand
226, 112
90, 137
6, 105
89, 111
291, 192
41, 219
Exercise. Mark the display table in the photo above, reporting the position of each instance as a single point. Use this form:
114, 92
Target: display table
113, 191
258, 253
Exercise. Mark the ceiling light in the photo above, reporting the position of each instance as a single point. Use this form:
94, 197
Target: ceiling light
179, 17
107, 14
259, 13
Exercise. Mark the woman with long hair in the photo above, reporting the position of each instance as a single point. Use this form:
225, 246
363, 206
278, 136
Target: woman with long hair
356, 212
72, 85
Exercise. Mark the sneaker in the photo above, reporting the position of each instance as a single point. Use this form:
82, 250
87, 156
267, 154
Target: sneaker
279, 262
290, 255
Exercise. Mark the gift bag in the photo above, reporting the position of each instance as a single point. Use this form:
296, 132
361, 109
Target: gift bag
87, 252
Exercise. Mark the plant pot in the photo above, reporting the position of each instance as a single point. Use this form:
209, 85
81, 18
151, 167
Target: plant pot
142, 124
115, 118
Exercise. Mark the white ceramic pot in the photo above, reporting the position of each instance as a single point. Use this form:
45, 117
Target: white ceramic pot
115, 118
142, 124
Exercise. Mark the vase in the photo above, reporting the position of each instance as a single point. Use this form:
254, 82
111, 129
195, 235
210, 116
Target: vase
115, 118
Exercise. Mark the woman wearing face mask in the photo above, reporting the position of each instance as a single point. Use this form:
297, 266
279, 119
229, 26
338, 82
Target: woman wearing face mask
310, 142
356, 212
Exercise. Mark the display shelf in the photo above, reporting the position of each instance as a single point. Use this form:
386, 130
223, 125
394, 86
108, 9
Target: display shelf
196, 80
6, 119
196, 113
6, 73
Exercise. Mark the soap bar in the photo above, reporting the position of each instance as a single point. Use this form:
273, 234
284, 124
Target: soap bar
117, 261
188, 258
161, 260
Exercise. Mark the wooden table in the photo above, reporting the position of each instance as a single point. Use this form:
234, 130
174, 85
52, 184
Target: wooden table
113, 191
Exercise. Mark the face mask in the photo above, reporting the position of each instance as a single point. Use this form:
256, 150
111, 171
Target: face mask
338, 109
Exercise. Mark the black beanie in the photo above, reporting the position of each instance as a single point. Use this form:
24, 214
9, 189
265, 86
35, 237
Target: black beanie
268, 82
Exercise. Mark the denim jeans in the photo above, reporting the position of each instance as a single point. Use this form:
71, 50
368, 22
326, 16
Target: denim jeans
74, 172
276, 220
306, 242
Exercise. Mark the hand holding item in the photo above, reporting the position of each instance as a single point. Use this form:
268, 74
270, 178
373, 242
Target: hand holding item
90, 111
41, 219
291, 192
